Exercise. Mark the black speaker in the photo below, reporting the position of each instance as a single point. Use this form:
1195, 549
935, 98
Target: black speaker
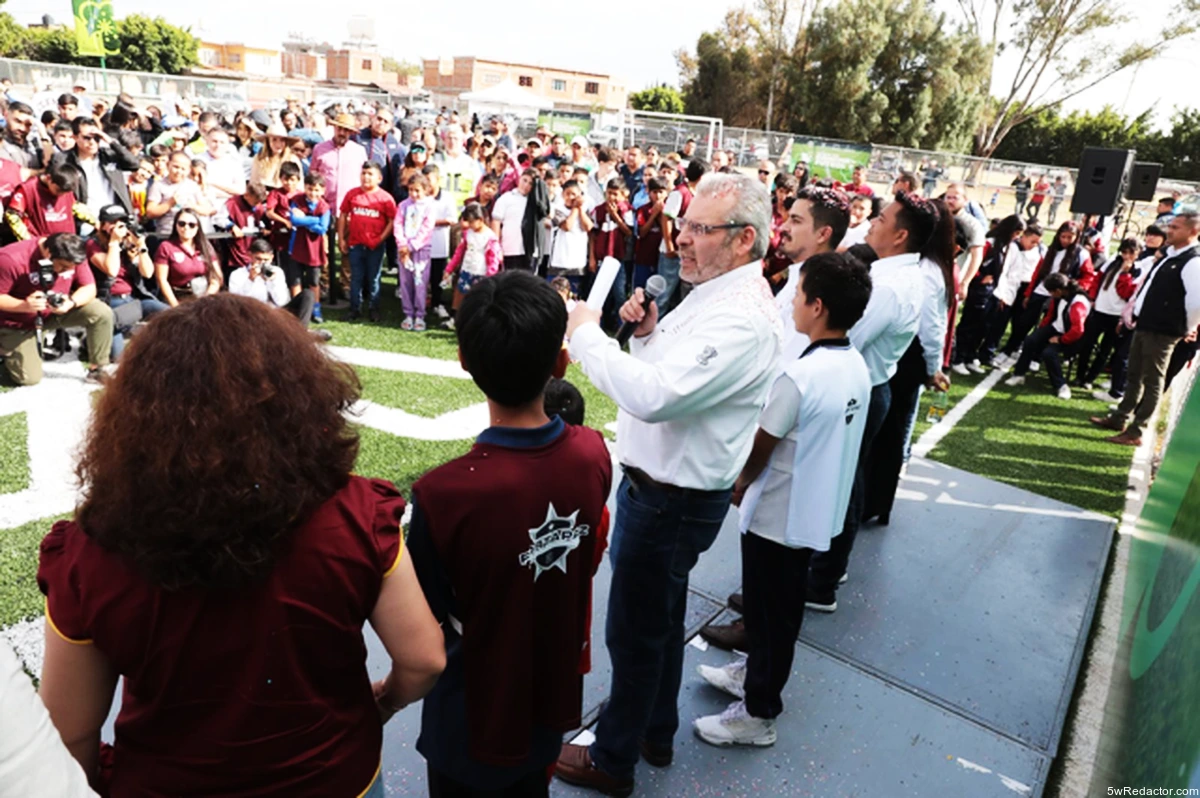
1101, 183
1143, 181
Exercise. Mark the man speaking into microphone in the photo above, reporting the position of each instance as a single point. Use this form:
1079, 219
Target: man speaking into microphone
689, 394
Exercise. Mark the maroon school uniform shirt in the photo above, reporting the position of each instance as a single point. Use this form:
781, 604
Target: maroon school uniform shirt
280, 204
44, 213
17, 263
645, 251
255, 691
240, 213
504, 542
121, 285
369, 214
307, 247
182, 266
607, 239
10, 178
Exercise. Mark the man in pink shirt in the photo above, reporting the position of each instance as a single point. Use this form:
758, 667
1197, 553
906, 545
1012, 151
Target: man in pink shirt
339, 161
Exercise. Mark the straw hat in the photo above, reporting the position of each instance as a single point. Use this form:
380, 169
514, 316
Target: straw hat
277, 130
346, 121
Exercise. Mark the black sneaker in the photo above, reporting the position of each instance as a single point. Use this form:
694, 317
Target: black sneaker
354, 316
820, 601
374, 316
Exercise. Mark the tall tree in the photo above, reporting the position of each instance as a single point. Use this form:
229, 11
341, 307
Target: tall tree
154, 45
664, 99
1060, 49
725, 76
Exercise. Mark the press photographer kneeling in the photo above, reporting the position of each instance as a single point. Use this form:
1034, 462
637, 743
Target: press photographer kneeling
44, 284
120, 264
264, 281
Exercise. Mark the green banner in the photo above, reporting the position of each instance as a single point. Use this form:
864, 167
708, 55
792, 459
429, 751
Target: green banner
95, 28
1151, 731
825, 159
566, 124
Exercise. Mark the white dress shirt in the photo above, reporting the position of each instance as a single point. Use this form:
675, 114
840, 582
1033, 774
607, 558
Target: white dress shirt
794, 343
690, 393
892, 316
1019, 266
935, 315
273, 290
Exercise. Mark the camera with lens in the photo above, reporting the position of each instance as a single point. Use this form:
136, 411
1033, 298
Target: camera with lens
270, 270
44, 279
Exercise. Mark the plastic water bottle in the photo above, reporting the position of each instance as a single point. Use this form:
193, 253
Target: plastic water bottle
939, 407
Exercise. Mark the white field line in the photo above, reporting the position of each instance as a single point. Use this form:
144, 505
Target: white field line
933, 436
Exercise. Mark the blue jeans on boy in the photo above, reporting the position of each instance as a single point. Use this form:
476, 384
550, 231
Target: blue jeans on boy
365, 266
658, 535
668, 269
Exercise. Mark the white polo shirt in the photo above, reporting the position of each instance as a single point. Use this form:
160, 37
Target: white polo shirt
818, 410
690, 393
890, 321
509, 211
794, 343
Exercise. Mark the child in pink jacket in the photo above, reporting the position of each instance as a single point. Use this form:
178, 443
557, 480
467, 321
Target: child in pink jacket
415, 219
478, 255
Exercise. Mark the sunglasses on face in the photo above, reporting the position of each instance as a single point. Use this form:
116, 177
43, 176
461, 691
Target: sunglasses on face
187, 225
92, 138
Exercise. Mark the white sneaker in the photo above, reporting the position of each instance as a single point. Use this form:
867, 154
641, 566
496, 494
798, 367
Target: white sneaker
449, 325
1035, 367
1087, 386
844, 578
1104, 396
1105, 385
398, 296
441, 312
1064, 392
734, 726
1003, 361
959, 368
1015, 381
730, 678
975, 367
407, 324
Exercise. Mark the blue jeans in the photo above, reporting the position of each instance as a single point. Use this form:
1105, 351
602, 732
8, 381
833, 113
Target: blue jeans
365, 266
658, 535
149, 308
668, 269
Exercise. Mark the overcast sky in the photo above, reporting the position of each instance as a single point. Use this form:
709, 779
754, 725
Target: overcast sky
415, 30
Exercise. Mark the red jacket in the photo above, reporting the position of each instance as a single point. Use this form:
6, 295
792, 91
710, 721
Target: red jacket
1084, 273
1075, 321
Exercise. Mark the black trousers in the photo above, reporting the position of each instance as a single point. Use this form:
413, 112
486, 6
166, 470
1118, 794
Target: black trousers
517, 262
1184, 352
971, 336
437, 270
534, 785
774, 578
1024, 320
1100, 337
301, 307
828, 566
887, 452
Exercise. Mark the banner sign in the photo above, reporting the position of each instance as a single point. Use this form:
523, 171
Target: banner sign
95, 28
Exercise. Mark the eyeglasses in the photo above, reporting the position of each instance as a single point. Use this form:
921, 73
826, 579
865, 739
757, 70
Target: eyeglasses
187, 225
93, 137
698, 229
764, 171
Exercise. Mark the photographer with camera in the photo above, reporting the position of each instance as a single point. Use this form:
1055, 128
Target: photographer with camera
120, 263
264, 281
45, 284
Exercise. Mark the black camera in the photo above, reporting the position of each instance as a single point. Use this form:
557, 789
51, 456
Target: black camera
44, 279
270, 270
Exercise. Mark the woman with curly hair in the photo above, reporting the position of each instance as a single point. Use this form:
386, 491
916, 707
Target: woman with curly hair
223, 560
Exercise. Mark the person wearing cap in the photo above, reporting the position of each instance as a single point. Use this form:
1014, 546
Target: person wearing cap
99, 163
120, 264
276, 150
339, 160
581, 153
504, 139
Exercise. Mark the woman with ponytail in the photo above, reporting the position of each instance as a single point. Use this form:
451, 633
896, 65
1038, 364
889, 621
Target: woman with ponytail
1116, 287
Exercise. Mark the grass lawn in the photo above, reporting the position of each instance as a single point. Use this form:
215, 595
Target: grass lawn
14, 457
960, 386
19, 594
1032, 440
419, 394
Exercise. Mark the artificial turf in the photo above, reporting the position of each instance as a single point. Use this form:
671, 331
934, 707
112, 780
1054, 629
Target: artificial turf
14, 454
1030, 439
19, 595
419, 394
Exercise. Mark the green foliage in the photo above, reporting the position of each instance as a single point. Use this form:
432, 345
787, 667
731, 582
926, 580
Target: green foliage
147, 45
663, 99
401, 67
725, 78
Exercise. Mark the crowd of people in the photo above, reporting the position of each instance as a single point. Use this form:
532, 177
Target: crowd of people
779, 371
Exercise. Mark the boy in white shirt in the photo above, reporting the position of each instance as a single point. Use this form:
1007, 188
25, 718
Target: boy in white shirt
569, 257
793, 493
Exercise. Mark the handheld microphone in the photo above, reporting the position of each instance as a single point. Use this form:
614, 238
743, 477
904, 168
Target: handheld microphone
655, 287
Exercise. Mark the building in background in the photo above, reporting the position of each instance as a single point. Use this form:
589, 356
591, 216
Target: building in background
563, 89
238, 58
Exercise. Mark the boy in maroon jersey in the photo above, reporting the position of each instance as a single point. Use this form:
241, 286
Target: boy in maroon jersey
503, 541
309, 252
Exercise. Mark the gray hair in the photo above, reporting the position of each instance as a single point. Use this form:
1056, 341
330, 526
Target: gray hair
751, 207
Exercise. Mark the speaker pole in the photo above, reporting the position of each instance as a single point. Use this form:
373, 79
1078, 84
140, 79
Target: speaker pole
1129, 219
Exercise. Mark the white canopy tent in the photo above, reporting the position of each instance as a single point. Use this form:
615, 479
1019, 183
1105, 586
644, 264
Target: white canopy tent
505, 98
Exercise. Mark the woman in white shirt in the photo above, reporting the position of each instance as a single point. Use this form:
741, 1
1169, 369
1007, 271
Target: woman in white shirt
1118, 282
1020, 263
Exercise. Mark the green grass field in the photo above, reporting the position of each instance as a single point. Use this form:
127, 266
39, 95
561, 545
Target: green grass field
14, 457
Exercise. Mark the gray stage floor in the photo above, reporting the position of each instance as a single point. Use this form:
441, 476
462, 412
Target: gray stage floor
946, 671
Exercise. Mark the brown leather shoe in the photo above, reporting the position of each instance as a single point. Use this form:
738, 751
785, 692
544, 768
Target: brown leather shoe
735, 602
728, 636
657, 755
1125, 440
575, 766
1107, 423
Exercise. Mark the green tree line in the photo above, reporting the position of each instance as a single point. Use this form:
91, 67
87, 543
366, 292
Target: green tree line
147, 45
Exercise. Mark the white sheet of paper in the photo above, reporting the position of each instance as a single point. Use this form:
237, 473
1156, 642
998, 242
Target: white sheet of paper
606, 275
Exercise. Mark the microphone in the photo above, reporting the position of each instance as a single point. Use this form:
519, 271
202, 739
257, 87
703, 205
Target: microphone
655, 286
